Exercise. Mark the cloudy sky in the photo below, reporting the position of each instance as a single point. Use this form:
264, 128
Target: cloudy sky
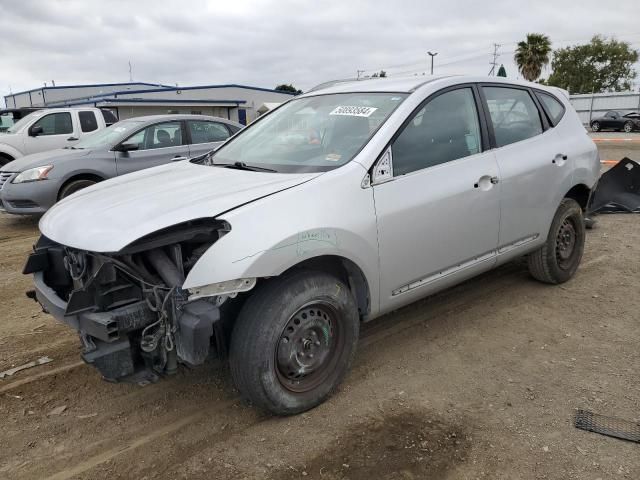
265, 42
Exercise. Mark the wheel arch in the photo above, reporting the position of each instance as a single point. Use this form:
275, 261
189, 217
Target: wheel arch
347, 271
580, 193
79, 176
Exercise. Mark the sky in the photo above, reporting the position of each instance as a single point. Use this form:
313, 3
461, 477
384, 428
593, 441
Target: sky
264, 43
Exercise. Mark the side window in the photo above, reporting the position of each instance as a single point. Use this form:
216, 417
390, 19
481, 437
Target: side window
445, 129
161, 135
205, 132
109, 116
88, 122
55, 124
553, 106
514, 114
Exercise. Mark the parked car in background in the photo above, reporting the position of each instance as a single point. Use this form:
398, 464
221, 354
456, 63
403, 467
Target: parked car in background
341, 205
32, 184
49, 129
9, 116
614, 120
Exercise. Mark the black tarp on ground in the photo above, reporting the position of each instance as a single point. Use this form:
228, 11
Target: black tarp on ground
618, 189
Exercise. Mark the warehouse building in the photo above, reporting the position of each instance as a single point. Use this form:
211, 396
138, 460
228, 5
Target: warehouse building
126, 100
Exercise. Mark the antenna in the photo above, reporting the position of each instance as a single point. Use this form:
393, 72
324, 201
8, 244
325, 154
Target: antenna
130, 72
494, 63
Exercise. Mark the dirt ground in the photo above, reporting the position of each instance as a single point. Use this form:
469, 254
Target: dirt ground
478, 382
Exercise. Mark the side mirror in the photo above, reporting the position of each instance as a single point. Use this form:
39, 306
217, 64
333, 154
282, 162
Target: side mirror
127, 147
35, 131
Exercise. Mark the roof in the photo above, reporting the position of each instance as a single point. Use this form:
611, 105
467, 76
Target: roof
411, 84
180, 116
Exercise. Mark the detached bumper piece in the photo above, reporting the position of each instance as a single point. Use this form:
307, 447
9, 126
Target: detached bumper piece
618, 189
131, 325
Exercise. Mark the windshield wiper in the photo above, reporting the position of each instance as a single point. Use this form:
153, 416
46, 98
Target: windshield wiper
244, 166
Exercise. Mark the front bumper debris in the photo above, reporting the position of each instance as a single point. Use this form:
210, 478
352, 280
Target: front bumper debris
130, 328
618, 189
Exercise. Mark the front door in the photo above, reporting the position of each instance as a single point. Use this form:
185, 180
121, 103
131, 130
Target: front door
57, 132
157, 144
438, 216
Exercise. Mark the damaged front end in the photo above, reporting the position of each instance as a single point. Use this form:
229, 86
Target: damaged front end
134, 319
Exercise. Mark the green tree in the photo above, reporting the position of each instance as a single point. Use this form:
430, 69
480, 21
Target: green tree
532, 55
502, 72
380, 74
288, 88
599, 66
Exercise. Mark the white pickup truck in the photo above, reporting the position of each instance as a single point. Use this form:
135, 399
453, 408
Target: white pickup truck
50, 129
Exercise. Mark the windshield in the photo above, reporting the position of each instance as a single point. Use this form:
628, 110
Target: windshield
16, 127
311, 134
109, 136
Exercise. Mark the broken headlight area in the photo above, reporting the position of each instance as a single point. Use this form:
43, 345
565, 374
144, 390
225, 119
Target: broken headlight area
133, 317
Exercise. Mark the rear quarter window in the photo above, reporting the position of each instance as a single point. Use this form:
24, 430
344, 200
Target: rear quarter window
554, 108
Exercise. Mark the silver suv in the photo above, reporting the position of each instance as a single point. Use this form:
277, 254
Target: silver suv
341, 205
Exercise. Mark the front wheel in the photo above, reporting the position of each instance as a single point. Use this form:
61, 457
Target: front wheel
73, 187
595, 126
628, 127
294, 341
558, 259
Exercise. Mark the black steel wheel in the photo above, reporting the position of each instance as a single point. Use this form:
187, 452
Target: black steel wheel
558, 259
294, 341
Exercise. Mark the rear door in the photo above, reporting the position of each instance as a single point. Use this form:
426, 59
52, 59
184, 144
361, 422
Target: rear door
205, 136
535, 166
58, 131
160, 143
438, 215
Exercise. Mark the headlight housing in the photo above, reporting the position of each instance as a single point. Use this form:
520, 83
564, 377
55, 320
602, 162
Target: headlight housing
33, 174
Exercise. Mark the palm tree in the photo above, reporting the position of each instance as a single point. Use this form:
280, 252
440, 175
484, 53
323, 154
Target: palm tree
533, 54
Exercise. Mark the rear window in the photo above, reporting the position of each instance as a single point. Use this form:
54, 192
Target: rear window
553, 106
109, 117
88, 122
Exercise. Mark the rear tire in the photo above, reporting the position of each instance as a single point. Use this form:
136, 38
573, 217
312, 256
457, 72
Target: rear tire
294, 341
628, 127
558, 259
73, 187
595, 126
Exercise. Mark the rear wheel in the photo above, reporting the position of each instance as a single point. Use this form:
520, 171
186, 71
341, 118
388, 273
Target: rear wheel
294, 341
628, 127
558, 259
595, 126
73, 187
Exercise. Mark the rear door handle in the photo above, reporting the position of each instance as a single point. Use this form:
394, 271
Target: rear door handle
559, 157
178, 159
485, 180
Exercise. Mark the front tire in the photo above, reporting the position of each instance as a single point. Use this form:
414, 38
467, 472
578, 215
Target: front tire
73, 187
558, 259
628, 127
595, 126
294, 341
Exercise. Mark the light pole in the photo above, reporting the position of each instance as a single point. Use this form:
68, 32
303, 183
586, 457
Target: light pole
432, 54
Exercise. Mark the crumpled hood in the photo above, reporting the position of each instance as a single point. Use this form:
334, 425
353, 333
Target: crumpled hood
112, 214
51, 157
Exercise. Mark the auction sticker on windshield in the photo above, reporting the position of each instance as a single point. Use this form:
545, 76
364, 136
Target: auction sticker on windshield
353, 111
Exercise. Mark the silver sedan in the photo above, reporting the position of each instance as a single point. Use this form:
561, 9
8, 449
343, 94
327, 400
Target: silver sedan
32, 184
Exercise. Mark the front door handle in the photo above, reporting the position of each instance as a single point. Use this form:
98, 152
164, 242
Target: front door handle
485, 182
179, 158
71, 139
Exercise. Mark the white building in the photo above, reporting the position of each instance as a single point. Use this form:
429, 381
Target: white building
126, 100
